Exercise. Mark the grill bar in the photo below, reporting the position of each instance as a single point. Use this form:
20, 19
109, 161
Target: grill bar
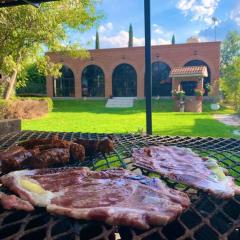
207, 218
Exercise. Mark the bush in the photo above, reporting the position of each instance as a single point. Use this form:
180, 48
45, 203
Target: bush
230, 83
25, 108
49, 101
31, 82
3, 108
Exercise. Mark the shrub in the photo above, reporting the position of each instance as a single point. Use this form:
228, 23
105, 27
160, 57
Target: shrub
3, 108
230, 83
25, 108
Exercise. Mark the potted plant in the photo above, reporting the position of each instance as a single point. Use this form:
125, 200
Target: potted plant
199, 94
178, 94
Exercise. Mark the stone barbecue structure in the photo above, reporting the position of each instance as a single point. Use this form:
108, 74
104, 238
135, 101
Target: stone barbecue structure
119, 72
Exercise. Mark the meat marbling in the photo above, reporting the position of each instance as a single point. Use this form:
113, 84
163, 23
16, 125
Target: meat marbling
185, 166
116, 196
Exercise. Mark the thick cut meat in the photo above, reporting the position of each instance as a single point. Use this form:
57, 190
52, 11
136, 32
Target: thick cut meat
185, 166
40, 153
10, 202
114, 196
29, 144
93, 146
48, 158
15, 158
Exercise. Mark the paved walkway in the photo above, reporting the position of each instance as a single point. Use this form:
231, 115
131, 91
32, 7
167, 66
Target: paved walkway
228, 119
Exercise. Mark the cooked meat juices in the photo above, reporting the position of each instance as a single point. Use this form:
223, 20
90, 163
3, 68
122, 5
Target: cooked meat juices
114, 196
185, 166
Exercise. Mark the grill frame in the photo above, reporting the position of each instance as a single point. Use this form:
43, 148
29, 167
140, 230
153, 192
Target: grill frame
207, 217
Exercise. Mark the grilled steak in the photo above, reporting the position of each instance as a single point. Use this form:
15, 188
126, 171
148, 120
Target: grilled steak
29, 144
185, 166
94, 146
114, 196
40, 153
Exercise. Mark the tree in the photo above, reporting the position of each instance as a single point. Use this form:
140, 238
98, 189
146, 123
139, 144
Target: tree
173, 39
26, 31
130, 41
231, 83
230, 48
31, 81
97, 44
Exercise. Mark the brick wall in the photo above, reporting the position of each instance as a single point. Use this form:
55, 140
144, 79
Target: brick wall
108, 59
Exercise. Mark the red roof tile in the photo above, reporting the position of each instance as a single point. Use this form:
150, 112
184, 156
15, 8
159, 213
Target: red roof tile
194, 71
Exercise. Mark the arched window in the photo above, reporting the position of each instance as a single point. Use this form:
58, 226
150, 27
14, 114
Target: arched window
124, 81
161, 83
93, 82
189, 87
64, 86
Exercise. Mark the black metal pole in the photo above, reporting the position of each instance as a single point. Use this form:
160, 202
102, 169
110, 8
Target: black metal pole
148, 66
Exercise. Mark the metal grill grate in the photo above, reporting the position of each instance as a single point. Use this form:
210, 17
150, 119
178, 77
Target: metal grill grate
207, 218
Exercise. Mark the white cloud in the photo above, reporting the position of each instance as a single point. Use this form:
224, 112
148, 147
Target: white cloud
235, 15
121, 40
158, 29
160, 41
165, 35
202, 10
106, 27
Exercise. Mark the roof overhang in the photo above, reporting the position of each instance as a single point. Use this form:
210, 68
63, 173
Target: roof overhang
189, 72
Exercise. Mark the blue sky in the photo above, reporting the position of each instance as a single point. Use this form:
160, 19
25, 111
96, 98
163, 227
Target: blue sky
184, 18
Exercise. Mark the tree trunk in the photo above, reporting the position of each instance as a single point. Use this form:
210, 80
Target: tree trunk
11, 85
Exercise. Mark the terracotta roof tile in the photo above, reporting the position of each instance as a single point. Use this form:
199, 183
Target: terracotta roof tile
194, 71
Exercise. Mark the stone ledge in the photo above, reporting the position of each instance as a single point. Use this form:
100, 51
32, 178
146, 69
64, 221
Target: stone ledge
10, 125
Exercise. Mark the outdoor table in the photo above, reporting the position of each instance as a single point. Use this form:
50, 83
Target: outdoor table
207, 217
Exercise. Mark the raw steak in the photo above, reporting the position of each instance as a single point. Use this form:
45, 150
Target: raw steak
10, 202
114, 196
185, 166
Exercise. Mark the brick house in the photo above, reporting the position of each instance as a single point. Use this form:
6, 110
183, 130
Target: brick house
119, 72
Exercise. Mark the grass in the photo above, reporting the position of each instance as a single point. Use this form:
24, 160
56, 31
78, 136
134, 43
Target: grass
92, 116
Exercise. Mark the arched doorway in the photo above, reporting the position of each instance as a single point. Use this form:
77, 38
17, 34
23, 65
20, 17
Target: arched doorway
93, 82
64, 86
161, 83
189, 87
124, 81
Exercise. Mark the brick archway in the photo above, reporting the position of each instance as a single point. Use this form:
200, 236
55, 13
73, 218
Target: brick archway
124, 81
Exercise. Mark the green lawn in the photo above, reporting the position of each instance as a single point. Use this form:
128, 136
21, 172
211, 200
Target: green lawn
92, 116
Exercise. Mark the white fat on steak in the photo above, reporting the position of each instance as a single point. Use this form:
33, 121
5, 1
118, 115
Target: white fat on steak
184, 166
116, 196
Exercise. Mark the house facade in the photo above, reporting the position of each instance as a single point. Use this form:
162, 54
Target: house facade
119, 72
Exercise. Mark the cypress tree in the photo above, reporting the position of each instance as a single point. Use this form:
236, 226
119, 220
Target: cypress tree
97, 45
173, 39
130, 41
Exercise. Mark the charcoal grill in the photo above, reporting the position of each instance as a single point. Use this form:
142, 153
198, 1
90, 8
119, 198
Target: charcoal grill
207, 218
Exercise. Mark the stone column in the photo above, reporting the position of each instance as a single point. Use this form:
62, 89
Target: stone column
200, 83
78, 85
108, 83
49, 86
140, 84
